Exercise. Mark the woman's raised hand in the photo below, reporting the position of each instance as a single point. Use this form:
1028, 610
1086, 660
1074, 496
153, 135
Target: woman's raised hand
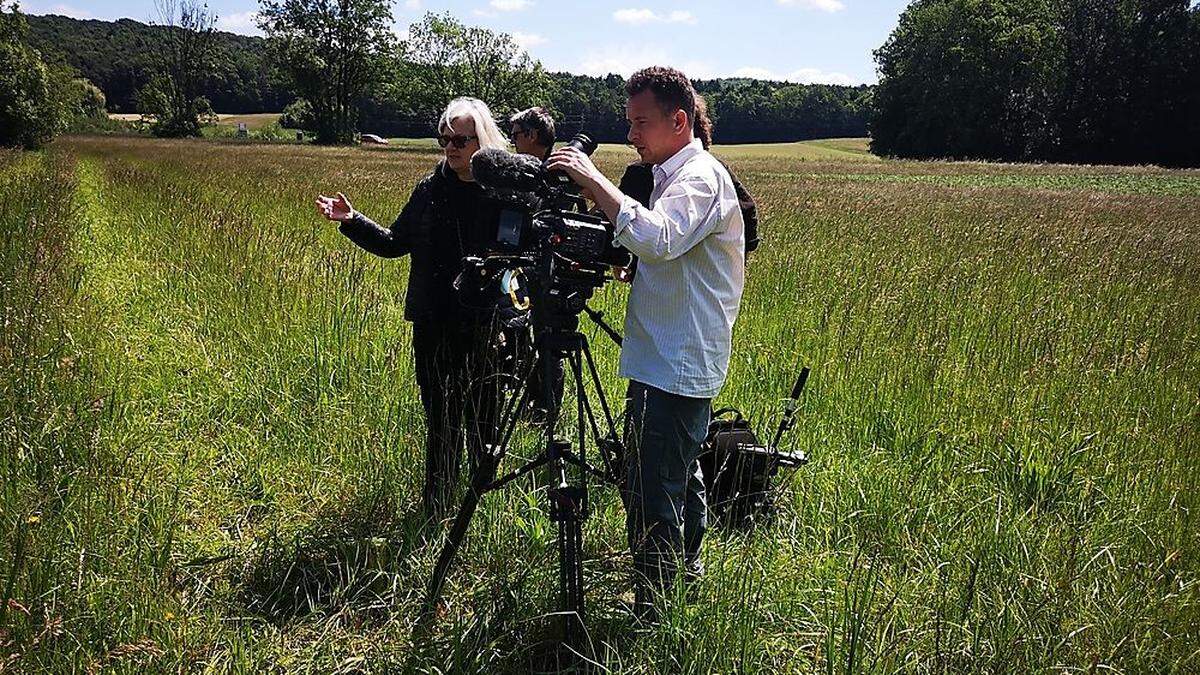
337, 208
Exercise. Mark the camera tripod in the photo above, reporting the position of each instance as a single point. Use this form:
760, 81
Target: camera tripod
567, 463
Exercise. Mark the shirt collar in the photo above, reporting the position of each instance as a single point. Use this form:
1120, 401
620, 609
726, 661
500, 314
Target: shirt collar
677, 160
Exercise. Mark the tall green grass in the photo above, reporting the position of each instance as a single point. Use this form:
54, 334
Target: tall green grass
214, 440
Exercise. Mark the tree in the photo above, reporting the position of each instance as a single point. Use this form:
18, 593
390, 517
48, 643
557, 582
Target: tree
298, 115
118, 56
90, 100
443, 59
1127, 95
186, 55
948, 75
1074, 80
332, 51
33, 97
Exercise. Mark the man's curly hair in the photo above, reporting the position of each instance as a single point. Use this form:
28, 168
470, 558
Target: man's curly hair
672, 89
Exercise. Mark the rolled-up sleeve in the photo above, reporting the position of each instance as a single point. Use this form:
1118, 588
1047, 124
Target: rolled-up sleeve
685, 214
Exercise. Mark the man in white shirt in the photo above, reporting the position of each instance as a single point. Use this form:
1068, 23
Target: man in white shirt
679, 322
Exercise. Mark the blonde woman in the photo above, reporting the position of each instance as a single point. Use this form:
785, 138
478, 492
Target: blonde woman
447, 218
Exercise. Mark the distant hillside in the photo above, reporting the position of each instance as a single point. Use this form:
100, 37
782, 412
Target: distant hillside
115, 56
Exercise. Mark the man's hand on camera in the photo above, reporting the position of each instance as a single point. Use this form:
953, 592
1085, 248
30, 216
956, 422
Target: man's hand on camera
580, 168
577, 165
337, 209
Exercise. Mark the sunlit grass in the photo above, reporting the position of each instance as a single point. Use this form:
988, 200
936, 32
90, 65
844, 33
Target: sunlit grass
211, 438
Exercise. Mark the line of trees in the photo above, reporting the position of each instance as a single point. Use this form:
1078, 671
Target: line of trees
38, 99
119, 56
1098, 81
336, 67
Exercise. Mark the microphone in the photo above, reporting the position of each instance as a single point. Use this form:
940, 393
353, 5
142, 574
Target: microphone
503, 172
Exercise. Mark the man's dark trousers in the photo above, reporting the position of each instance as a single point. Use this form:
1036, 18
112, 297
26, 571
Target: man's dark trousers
666, 513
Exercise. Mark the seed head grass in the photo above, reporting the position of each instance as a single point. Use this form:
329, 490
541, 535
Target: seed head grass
212, 443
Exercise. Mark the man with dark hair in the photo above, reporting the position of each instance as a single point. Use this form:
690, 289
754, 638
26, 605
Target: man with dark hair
532, 132
638, 181
689, 241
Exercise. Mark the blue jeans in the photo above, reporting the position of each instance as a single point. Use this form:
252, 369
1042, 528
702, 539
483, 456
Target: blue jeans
665, 509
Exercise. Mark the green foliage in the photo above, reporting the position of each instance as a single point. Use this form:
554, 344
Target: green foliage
173, 99
298, 115
119, 58
444, 59
756, 111
1073, 80
34, 99
408, 94
106, 126
332, 51
91, 100
273, 132
170, 113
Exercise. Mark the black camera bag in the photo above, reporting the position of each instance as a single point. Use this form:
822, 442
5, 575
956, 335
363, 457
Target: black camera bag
737, 469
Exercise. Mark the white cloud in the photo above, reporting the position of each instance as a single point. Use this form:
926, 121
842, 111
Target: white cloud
626, 59
817, 76
510, 5
640, 16
412, 5
529, 40
822, 5
65, 10
619, 60
244, 23
634, 16
755, 73
800, 76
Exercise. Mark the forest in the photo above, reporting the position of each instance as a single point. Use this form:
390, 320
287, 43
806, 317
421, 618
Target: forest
1076, 81
118, 57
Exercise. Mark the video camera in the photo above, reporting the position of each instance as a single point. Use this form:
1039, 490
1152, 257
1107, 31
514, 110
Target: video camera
544, 236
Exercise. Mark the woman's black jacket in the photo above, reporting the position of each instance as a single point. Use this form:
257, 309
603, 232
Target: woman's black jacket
445, 220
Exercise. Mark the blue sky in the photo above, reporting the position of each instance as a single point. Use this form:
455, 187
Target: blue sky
796, 40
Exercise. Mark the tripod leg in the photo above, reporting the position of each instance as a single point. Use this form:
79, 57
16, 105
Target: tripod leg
595, 377
569, 508
485, 473
458, 532
612, 452
568, 514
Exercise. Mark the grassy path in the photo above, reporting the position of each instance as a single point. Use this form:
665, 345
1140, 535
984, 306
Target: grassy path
213, 438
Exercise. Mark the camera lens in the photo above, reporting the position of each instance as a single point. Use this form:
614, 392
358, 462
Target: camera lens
583, 143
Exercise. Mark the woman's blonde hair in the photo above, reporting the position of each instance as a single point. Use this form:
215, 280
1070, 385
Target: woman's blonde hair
489, 134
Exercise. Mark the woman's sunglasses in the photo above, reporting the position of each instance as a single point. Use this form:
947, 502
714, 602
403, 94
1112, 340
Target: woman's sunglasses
459, 142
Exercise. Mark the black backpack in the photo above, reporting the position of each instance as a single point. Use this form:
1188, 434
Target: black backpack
738, 469
638, 182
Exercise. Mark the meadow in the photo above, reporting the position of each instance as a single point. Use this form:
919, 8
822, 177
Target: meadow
210, 437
